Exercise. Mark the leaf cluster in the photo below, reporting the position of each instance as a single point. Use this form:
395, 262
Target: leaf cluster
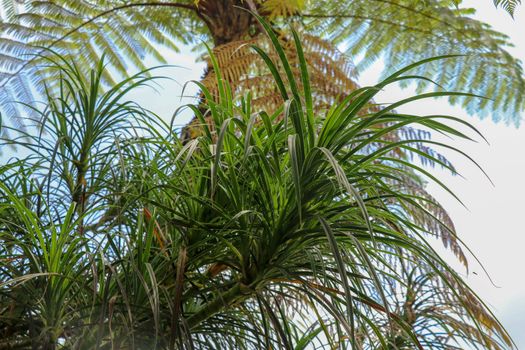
264, 232
399, 31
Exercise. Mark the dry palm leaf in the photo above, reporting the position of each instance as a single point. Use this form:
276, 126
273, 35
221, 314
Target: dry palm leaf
331, 73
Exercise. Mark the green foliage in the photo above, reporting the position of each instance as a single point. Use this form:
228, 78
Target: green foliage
508, 5
82, 31
400, 31
279, 230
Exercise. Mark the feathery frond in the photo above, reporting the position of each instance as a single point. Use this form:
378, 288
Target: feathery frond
508, 5
400, 31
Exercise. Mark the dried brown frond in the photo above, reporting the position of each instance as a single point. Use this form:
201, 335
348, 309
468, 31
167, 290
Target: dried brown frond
331, 73
489, 325
432, 217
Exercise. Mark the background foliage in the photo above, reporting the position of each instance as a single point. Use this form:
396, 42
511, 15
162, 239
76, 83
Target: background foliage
399, 31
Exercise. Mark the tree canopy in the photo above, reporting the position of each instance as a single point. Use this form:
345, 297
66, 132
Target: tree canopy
398, 31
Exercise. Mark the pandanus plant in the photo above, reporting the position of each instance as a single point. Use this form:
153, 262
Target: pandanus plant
290, 229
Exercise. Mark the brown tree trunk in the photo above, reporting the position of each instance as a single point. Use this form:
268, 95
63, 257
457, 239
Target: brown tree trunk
227, 21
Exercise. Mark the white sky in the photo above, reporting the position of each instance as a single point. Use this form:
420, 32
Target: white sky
492, 226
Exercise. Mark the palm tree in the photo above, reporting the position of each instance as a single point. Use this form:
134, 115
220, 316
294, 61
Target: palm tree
279, 230
400, 31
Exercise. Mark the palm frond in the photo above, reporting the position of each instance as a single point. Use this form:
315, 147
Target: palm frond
508, 5
93, 28
401, 31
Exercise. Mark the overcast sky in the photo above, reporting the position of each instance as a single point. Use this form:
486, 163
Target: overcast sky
493, 224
